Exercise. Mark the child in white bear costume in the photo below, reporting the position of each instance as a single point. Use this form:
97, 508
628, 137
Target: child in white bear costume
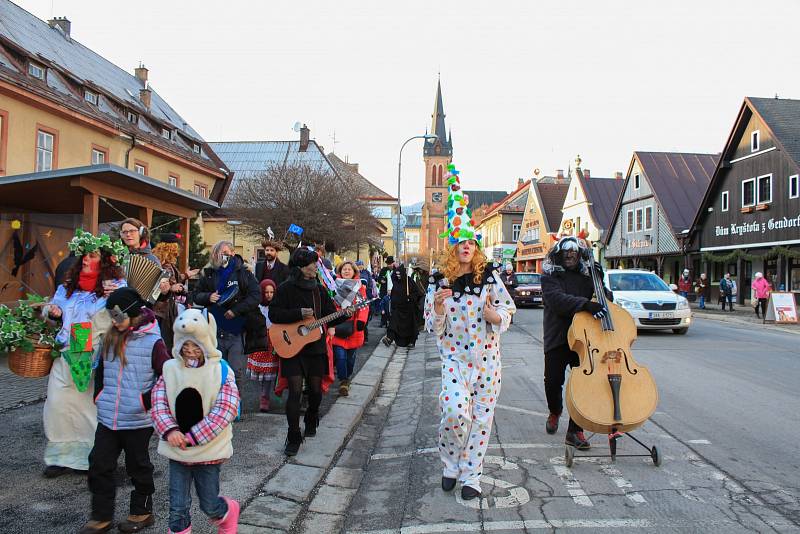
194, 404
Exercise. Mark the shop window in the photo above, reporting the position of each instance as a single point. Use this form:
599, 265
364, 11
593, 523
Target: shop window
724, 201
794, 274
749, 192
794, 186
765, 189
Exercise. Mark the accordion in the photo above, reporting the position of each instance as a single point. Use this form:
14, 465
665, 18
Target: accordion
144, 276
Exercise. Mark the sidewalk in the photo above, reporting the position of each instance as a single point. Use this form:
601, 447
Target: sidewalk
743, 314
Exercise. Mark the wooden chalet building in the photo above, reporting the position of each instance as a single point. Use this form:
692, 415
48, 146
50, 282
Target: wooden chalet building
749, 219
654, 213
541, 220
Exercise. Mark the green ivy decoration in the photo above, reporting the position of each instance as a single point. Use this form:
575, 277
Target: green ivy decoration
85, 242
22, 327
739, 253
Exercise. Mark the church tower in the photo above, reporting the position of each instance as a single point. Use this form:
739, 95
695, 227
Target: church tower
437, 154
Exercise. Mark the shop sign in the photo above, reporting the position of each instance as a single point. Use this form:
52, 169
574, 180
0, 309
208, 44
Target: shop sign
532, 249
773, 224
639, 243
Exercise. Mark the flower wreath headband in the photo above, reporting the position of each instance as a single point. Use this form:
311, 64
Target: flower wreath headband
84, 243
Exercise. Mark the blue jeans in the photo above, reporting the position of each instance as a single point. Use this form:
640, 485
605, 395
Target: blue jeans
702, 301
206, 483
345, 360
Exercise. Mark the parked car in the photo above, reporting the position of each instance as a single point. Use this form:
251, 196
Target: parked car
649, 300
529, 290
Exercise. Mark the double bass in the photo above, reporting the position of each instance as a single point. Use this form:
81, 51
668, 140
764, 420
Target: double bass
609, 392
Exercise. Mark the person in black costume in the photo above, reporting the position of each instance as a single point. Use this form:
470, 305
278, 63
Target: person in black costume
567, 289
299, 297
405, 319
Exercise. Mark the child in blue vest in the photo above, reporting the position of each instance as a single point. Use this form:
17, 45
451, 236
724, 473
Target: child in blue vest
128, 362
194, 403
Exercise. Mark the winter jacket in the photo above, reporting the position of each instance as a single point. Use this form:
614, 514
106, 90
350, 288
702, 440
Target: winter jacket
703, 288
761, 288
291, 296
685, 284
244, 303
122, 393
366, 279
383, 281
509, 280
277, 274
564, 293
359, 319
726, 287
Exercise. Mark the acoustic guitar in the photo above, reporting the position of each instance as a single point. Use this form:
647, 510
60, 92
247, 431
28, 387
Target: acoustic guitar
290, 338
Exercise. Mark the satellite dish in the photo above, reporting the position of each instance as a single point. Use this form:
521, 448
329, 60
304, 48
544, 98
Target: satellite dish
297, 127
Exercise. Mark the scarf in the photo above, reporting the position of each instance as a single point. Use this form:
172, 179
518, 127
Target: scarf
88, 281
224, 274
347, 292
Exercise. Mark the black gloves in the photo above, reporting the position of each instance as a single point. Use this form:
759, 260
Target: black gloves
595, 308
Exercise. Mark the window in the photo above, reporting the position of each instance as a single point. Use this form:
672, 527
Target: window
90, 97
515, 228
36, 70
765, 189
639, 217
165, 133
3, 140
133, 117
200, 190
749, 192
98, 156
530, 236
196, 148
724, 201
140, 167
755, 141
629, 222
636, 181
794, 186
577, 225
173, 179
575, 194
46, 145
648, 218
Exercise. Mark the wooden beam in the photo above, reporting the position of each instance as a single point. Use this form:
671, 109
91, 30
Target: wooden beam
146, 216
183, 258
91, 213
131, 197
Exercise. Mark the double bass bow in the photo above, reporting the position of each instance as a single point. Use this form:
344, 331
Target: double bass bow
609, 392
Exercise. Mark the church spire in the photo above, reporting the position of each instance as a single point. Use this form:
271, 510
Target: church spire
438, 128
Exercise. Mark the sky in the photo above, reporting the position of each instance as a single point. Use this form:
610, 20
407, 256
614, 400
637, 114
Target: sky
526, 84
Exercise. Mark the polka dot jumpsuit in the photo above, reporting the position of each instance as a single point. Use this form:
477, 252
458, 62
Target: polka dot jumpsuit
470, 351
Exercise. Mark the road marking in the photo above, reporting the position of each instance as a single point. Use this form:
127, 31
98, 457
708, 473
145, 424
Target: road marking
699, 441
614, 474
521, 410
572, 485
529, 524
517, 496
429, 450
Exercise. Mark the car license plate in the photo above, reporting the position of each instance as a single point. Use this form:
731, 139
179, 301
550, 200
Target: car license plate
661, 315
537, 299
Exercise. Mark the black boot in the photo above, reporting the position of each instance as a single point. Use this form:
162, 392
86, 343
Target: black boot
312, 422
468, 493
448, 483
293, 441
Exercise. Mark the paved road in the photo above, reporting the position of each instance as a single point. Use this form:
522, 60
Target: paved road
726, 427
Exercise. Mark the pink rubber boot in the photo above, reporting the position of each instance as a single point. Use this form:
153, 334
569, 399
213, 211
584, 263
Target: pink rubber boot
229, 524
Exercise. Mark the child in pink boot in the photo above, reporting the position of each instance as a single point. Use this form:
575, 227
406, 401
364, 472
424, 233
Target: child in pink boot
194, 403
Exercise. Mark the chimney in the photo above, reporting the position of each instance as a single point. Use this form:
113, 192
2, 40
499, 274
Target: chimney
586, 173
353, 166
618, 175
304, 132
145, 96
520, 182
560, 175
62, 23
141, 73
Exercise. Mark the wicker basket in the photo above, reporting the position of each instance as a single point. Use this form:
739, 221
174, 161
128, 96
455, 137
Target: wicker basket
34, 364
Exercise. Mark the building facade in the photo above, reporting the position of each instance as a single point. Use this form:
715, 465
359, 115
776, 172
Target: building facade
500, 227
541, 220
749, 220
654, 214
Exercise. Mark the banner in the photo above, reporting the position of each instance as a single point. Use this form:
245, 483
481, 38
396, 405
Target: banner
781, 308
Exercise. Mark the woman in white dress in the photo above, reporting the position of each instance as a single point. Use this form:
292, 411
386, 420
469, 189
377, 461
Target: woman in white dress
70, 416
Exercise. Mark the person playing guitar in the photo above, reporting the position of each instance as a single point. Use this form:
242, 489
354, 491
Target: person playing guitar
301, 296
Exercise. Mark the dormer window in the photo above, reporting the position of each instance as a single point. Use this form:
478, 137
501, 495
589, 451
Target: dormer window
133, 117
196, 148
165, 133
90, 96
36, 70
636, 181
755, 141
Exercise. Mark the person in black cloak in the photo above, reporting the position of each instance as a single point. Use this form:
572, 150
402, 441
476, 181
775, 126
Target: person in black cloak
406, 317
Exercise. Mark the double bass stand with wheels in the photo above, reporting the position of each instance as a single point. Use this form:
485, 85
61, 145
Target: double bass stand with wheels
652, 452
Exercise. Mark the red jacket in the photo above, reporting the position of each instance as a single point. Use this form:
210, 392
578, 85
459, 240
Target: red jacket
356, 339
685, 284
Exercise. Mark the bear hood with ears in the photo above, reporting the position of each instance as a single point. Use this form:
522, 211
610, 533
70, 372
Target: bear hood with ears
195, 325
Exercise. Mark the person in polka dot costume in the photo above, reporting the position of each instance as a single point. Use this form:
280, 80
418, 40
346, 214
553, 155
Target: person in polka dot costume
467, 307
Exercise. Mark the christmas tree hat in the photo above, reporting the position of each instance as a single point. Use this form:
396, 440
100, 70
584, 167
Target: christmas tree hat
460, 225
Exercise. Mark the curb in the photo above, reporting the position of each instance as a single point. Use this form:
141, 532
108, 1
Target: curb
736, 320
288, 490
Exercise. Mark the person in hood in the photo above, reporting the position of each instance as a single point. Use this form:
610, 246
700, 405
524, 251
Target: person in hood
130, 357
262, 362
302, 297
567, 289
230, 292
194, 404
405, 317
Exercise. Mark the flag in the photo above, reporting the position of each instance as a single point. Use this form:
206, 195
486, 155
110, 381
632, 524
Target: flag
293, 228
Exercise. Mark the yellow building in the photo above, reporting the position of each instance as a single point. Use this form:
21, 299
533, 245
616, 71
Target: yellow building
500, 226
63, 106
541, 220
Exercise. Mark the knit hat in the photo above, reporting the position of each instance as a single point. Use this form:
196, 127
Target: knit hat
124, 303
302, 257
460, 225
197, 326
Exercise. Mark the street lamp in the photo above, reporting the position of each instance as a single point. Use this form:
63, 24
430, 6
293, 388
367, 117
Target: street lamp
399, 166
234, 223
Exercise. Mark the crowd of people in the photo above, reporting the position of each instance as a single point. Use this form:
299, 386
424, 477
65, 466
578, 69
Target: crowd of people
760, 289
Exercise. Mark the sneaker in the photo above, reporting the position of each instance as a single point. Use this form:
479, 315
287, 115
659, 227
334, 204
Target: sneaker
577, 440
293, 441
448, 484
94, 527
263, 405
344, 388
551, 425
468, 493
386, 341
135, 523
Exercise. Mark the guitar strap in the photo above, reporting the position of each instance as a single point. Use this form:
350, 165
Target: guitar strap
317, 303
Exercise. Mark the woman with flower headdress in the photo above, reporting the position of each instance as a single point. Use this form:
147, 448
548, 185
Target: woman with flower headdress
467, 306
70, 416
